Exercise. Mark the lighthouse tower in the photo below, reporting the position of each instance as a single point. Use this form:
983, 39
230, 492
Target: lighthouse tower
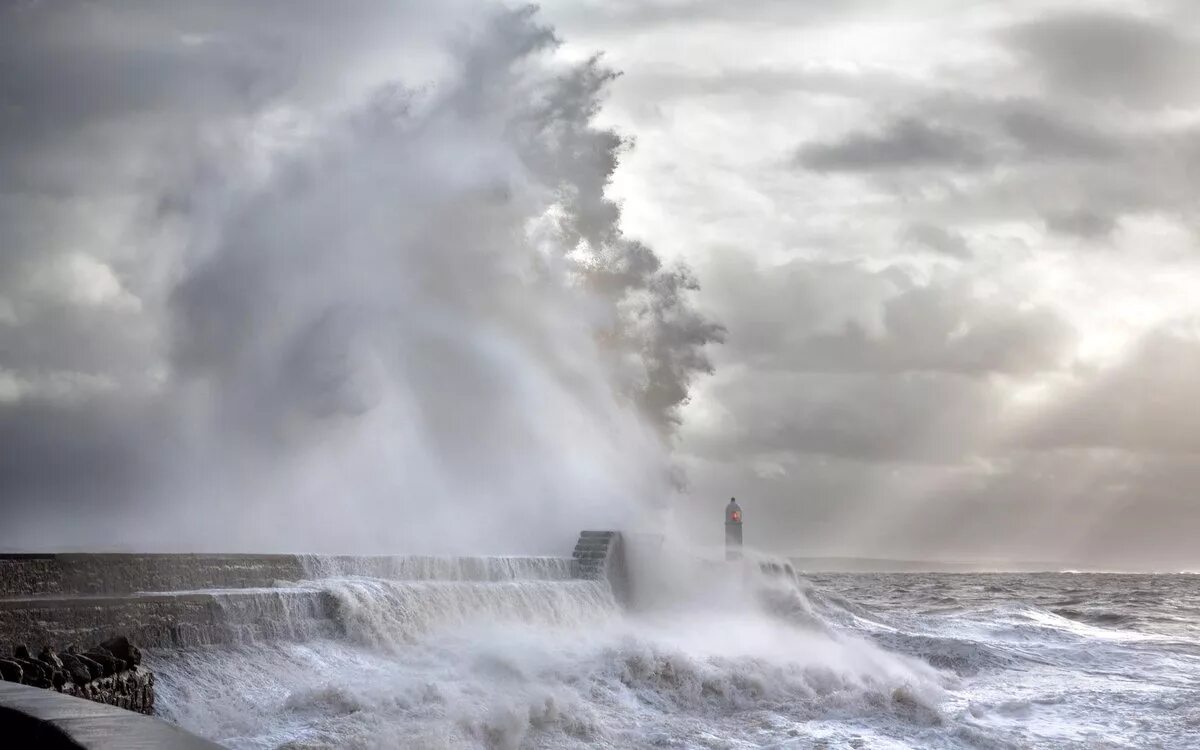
733, 530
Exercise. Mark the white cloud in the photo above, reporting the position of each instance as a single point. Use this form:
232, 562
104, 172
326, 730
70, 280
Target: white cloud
82, 279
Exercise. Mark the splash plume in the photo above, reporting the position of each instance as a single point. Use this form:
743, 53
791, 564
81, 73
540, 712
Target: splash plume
407, 320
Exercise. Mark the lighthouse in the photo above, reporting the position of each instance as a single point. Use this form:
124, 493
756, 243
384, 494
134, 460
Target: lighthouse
733, 530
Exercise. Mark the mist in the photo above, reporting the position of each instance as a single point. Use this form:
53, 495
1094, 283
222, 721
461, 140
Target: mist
326, 311
434, 276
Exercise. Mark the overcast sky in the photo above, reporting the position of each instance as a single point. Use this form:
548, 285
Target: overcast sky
953, 247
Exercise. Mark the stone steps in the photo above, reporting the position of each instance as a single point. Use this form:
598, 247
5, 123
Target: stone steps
599, 555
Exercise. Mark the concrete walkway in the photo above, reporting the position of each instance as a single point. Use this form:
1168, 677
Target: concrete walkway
97, 726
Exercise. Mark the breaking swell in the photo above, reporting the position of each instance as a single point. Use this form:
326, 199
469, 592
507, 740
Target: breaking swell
513, 652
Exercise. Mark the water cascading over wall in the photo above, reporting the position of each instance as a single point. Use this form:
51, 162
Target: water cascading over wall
179, 601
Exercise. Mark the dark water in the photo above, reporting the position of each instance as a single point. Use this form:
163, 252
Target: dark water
1042, 660
726, 657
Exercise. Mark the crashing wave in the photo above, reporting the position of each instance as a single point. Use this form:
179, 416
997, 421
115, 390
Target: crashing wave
500, 662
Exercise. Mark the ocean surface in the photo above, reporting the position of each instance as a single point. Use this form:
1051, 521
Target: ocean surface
509, 655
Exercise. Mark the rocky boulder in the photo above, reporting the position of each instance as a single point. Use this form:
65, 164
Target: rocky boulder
121, 648
10, 671
107, 673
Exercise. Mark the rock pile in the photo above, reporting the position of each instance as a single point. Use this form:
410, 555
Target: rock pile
107, 673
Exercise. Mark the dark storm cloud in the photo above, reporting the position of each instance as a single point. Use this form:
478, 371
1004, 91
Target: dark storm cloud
920, 417
904, 144
1081, 180
836, 360
938, 239
944, 330
840, 318
1072, 170
963, 133
1043, 133
1139, 61
84, 81
1084, 224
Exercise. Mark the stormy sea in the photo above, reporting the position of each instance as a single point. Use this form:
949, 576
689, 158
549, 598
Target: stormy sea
515, 652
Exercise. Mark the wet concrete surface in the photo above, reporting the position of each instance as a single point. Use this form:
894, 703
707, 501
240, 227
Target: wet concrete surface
96, 726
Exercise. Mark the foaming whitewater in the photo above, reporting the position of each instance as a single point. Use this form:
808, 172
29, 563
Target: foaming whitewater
512, 652
389, 614
288, 613
391, 601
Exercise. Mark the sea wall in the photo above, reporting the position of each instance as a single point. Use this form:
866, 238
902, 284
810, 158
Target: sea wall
98, 574
178, 601
49, 604
169, 620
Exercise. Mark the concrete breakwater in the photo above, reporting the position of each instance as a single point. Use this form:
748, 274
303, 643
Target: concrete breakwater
178, 606
177, 601
88, 574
